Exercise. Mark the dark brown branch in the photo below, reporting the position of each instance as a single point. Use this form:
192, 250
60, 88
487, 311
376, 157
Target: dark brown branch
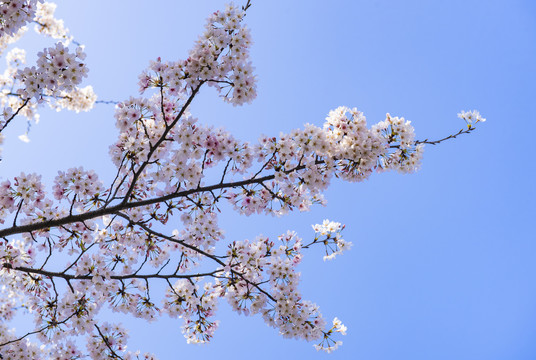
248, 4
111, 196
69, 277
142, 167
454, 136
71, 219
15, 114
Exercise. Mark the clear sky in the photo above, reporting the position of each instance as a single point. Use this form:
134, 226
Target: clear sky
443, 264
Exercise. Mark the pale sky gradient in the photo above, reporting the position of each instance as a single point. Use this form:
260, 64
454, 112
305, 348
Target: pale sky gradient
443, 264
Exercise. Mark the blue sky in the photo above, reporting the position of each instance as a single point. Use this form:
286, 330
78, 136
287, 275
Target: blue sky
443, 260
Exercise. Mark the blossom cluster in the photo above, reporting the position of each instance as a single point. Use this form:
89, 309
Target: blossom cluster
111, 341
327, 344
48, 25
220, 58
80, 183
27, 190
283, 308
7, 40
9, 100
77, 99
16, 14
333, 241
56, 75
57, 70
471, 117
407, 155
184, 299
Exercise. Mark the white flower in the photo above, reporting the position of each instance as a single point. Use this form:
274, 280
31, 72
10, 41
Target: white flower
471, 117
24, 138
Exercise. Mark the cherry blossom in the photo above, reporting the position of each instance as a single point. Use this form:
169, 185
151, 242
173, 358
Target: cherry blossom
471, 117
16, 14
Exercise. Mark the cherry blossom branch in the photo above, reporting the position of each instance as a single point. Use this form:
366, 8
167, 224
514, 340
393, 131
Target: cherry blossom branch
68, 277
129, 205
159, 142
198, 250
53, 324
453, 136
14, 114
124, 205
107, 343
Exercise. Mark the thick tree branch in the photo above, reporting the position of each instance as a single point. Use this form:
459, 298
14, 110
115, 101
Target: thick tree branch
130, 205
69, 277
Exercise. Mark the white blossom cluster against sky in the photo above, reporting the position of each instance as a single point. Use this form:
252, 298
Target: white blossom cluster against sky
442, 265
